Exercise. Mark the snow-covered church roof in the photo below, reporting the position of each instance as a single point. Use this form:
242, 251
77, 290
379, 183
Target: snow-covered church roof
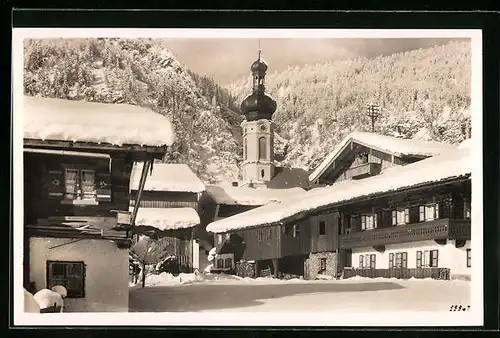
167, 218
387, 144
167, 177
81, 121
250, 196
454, 163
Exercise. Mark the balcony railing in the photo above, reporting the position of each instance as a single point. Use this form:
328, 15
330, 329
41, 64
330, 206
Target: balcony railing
400, 273
364, 170
438, 229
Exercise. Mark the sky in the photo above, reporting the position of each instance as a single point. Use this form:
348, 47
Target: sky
228, 60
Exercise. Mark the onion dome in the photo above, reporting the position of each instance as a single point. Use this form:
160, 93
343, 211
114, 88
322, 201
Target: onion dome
258, 105
259, 66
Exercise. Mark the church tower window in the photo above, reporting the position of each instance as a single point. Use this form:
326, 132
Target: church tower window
262, 148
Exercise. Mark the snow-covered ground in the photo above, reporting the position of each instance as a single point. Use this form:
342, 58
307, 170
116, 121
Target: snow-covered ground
209, 293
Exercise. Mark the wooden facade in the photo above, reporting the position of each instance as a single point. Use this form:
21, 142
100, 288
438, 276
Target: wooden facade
359, 161
341, 228
45, 191
78, 190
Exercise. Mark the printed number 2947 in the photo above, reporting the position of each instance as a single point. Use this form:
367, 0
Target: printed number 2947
459, 308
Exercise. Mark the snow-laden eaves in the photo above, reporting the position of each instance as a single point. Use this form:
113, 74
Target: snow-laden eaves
81, 121
167, 177
453, 164
250, 196
167, 218
391, 145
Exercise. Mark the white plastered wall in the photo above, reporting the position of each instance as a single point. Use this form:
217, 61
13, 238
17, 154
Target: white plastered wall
449, 256
106, 271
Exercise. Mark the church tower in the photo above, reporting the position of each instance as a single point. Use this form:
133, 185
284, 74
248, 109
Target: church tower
258, 130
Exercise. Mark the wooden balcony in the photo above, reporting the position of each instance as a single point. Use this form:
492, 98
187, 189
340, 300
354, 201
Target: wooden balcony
438, 229
364, 170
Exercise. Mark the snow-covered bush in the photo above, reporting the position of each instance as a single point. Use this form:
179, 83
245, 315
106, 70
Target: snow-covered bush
30, 303
47, 298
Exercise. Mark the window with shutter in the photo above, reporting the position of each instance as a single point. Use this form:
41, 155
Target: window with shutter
391, 260
71, 181
434, 258
429, 212
56, 186
361, 261
103, 185
398, 259
421, 213
88, 184
469, 261
372, 261
394, 218
419, 259
427, 258
404, 260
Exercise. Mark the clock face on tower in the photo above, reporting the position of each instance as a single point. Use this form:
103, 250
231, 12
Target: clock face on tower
262, 127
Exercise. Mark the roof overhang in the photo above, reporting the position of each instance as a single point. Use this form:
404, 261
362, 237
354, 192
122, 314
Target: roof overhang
138, 151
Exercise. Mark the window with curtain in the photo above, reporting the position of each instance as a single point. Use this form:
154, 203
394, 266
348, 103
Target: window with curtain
68, 274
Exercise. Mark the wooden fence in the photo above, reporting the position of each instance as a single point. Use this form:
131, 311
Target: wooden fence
400, 273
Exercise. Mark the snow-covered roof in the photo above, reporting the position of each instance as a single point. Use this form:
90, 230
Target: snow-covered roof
250, 196
454, 163
167, 177
387, 144
116, 124
167, 218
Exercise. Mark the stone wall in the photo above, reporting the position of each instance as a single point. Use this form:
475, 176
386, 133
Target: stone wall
313, 265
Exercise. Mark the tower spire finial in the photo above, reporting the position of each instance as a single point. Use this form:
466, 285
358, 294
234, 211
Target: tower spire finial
260, 50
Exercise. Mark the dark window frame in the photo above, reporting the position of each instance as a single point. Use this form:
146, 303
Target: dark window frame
373, 261
419, 259
468, 258
322, 228
322, 264
71, 293
400, 260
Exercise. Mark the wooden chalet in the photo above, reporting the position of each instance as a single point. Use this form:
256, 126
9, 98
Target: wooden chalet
78, 158
411, 218
226, 202
169, 213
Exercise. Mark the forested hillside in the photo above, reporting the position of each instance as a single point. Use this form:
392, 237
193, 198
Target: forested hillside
143, 72
423, 93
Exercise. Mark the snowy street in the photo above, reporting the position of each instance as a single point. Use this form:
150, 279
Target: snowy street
357, 294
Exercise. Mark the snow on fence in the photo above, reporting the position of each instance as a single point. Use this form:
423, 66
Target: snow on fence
422, 273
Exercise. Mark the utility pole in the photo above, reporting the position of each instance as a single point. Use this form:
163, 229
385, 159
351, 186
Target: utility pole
373, 111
